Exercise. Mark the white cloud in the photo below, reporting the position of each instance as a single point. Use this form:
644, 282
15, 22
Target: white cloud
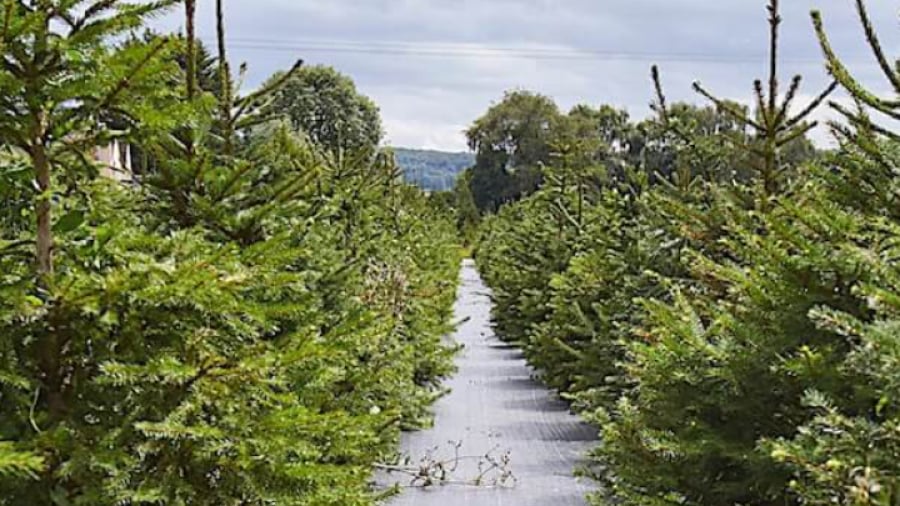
425, 135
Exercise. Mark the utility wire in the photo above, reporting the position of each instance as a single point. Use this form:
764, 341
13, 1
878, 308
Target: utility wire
456, 50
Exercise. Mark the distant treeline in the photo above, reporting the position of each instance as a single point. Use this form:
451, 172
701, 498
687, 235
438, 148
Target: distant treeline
432, 170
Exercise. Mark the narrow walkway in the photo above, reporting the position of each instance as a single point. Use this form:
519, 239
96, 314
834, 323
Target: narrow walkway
495, 404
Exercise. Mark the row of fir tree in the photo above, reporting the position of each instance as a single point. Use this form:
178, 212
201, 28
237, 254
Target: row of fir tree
252, 320
730, 320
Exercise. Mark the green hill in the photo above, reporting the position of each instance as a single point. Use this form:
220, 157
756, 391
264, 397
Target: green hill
432, 170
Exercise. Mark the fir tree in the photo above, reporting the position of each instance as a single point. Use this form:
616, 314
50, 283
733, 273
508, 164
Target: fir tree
211, 336
847, 453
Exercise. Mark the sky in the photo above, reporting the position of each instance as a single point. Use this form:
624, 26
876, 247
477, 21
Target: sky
434, 66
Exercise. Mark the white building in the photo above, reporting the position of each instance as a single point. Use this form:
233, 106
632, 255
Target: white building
115, 159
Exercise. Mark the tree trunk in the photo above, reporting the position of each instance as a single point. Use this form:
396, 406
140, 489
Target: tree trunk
44, 209
225, 81
51, 346
190, 13
51, 358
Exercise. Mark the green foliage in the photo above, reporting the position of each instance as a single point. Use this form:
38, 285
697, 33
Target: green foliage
468, 219
525, 132
254, 365
324, 104
250, 365
16, 464
254, 323
61, 69
846, 452
63, 87
511, 142
15, 193
519, 250
730, 324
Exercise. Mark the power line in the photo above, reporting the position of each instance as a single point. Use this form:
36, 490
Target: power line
458, 50
452, 47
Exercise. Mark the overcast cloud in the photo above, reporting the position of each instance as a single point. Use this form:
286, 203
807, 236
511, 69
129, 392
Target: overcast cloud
477, 49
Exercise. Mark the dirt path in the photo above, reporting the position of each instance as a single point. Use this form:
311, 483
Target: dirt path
495, 404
